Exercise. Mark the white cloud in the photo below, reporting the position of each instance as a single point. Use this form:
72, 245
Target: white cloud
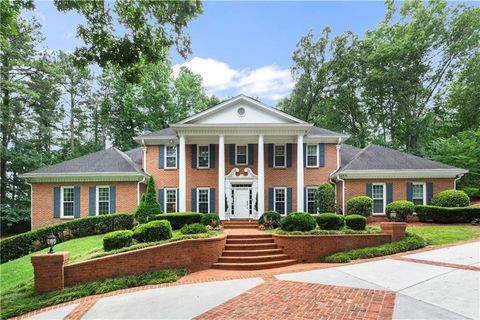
268, 82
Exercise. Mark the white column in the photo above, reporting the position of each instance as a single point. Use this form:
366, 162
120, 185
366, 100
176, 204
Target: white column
221, 177
182, 178
300, 185
261, 178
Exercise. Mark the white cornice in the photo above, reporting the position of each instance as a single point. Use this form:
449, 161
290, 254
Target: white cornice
399, 174
83, 176
241, 129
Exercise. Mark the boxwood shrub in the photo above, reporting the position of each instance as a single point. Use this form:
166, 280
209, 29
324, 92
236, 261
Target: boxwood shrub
330, 221
153, 231
325, 198
25, 243
356, 222
447, 215
472, 192
402, 208
210, 219
179, 219
272, 218
298, 221
361, 205
193, 228
117, 239
451, 198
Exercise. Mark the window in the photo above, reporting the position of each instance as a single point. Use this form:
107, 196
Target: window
311, 205
203, 203
241, 154
68, 201
103, 199
171, 157
280, 200
170, 200
279, 156
203, 156
312, 155
418, 193
378, 196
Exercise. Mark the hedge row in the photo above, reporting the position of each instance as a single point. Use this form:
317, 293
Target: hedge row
179, 219
447, 215
25, 243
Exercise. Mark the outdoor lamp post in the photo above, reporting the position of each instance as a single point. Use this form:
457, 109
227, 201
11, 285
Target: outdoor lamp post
393, 215
51, 241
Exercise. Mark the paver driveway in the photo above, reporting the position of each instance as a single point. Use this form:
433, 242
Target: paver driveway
436, 284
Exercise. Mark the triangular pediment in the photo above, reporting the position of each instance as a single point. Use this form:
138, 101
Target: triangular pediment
241, 110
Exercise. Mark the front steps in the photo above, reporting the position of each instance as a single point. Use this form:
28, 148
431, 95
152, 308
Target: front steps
252, 252
240, 224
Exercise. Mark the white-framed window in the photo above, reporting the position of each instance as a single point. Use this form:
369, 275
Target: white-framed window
170, 200
67, 201
311, 203
280, 200
279, 155
171, 157
203, 200
379, 197
203, 156
103, 200
312, 155
419, 193
241, 154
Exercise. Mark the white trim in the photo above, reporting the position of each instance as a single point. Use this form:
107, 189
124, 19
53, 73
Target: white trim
306, 198
221, 177
165, 157
261, 177
97, 199
246, 154
198, 156
61, 202
275, 199
198, 198
165, 197
316, 165
182, 177
76, 174
384, 197
284, 155
424, 191
300, 173
399, 173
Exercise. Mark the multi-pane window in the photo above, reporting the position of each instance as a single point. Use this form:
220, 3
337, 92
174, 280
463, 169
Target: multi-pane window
279, 156
171, 157
241, 154
68, 201
312, 155
418, 193
378, 196
203, 156
311, 205
203, 203
281, 200
170, 200
103, 200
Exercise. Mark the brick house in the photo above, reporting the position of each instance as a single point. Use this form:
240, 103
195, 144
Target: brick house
239, 159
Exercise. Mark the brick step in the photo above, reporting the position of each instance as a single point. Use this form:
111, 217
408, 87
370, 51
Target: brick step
248, 236
255, 246
250, 241
240, 226
254, 265
251, 253
239, 259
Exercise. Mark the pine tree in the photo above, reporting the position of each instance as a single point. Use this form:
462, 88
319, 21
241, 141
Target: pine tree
149, 206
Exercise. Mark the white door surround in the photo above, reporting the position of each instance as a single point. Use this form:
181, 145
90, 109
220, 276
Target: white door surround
245, 182
241, 202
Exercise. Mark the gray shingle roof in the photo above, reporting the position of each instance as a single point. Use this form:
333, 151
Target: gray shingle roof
167, 132
347, 152
135, 155
110, 160
316, 131
375, 157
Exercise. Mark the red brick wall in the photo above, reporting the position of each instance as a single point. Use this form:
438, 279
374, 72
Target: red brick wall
48, 270
42, 199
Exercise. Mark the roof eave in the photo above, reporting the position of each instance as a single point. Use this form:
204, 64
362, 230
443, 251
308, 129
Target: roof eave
401, 173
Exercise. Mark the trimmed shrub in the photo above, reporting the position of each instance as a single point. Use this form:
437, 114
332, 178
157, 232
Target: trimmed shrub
447, 215
298, 221
149, 206
117, 239
210, 219
270, 219
330, 221
361, 205
25, 243
451, 198
179, 219
194, 228
402, 208
325, 198
153, 231
472, 192
356, 222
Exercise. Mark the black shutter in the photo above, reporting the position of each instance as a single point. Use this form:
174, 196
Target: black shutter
270, 155
212, 199
389, 193
212, 156
161, 156
429, 192
161, 199
194, 200
289, 155
232, 154
410, 191
304, 155
76, 204
250, 155
369, 190
270, 199
321, 154
92, 193
56, 202
194, 155
289, 200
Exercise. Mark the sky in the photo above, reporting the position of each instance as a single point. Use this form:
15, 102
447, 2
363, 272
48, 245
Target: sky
239, 47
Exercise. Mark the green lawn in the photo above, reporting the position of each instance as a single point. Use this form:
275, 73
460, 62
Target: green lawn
437, 235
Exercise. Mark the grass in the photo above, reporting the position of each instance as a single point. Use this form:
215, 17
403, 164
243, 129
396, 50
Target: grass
438, 235
21, 299
317, 231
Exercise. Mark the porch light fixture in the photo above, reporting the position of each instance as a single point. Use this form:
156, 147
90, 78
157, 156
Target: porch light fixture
51, 241
393, 215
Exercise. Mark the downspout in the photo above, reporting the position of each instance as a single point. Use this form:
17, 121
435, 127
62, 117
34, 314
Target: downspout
338, 147
138, 190
343, 193
144, 158
459, 176
31, 203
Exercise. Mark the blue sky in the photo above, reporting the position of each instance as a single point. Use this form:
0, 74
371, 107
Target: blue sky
240, 47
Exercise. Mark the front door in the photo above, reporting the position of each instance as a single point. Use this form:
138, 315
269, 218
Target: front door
241, 203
